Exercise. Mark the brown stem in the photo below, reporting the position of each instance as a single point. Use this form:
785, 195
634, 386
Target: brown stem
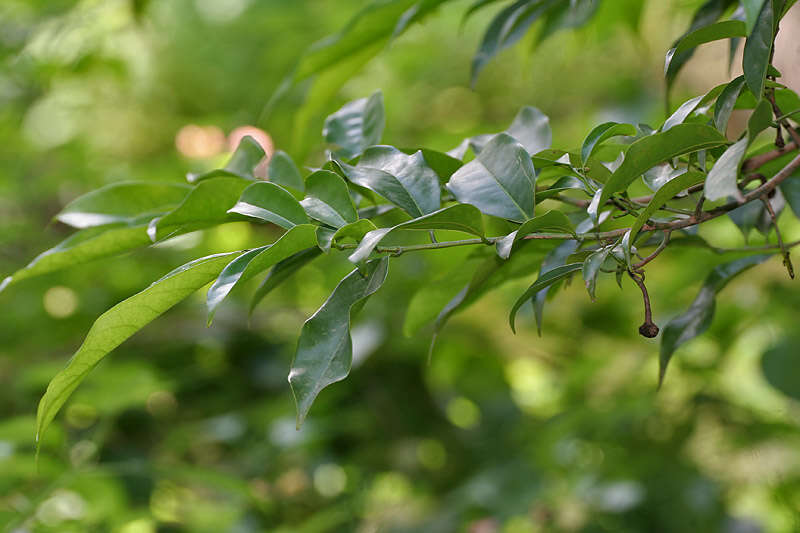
648, 328
655, 253
787, 260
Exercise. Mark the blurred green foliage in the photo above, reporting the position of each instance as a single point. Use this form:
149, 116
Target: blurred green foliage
187, 428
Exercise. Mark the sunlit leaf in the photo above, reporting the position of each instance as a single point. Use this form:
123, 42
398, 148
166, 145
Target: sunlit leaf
328, 199
356, 126
270, 203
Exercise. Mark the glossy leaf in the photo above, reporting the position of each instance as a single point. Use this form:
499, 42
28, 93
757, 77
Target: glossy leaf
253, 262
119, 323
726, 102
500, 181
682, 113
458, 217
591, 268
721, 181
354, 231
714, 32
328, 199
206, 205
124, 202
531, 128
662, 196
696, 320
241, 164
554, 259
82, 247
270, 203
758, 49
602, 133
752, 8
356, 126
284, 172
553, 221
544, 281
283, 271
405, 180
648, 151
325, 349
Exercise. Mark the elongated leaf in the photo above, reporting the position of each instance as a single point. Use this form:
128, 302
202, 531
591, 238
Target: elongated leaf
458, 217
241, 165
82, 247
206, 205
564, 183
591, 268
662, 196
758, 49
119, 323
696, 320
752, 8
725, 103
602, 133
791, 191
554, 259
544, 281
325, 349
653, 149
283, 271
271, 203
554, 221
499, 182
284, 172
328, 199
356, 126
721, 181
682, 113
124, 202
531, 128
416, 13
354, 231
714, 32
405, 180
255, 261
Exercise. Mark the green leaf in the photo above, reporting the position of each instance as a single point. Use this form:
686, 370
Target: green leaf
531, 128
726, 102
356, 126
602, 133
554, 221
760, 119
554, 259
662, 196
591, 268
648, 151
354, 231
752, 8
206, 205
124, 202
682, 113
119, 323
500, 181
790, 188
564, 183
253, 262
696, 320
325, 349
271, 203
721, 181
458, 217
283, 271
405, 180
244, 160
685, 45
284, 172
441, 163
544, 281
328, 199
507, 28
779, 367
758, 49
84, 246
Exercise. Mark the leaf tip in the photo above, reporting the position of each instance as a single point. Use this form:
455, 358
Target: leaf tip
6, 282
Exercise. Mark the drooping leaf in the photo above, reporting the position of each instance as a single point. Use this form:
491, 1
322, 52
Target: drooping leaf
328, 199
255, 261
554, 221
602, 133
752, 8
662, 196
779, 367
791, 191
356, 126
565, 183
354, 231
564, 15
206, 205
270, 203
758, 49
696, 320
500, 181
325, 349
554, 259
591, 268
685, 46
284, 172
648, 151
725, 103
82, 247
544, 281
458, 217
659, 175
123, 202
117, 324
405, 180
241, 164
283, 271
682, 113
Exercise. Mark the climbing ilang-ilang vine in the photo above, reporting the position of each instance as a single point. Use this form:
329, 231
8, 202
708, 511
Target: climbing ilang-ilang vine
567, 213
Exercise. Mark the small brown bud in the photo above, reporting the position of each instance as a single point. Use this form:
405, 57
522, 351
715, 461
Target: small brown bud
648, 329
